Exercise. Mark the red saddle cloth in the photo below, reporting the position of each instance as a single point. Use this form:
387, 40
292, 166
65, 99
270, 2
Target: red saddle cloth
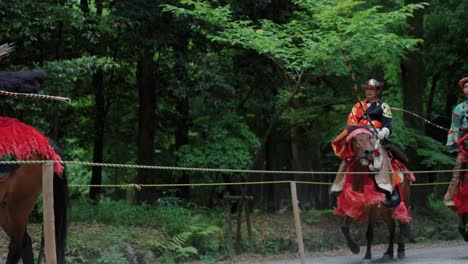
461, 198
22, 141
352, 203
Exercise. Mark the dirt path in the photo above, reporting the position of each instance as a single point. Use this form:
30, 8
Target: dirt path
450, 252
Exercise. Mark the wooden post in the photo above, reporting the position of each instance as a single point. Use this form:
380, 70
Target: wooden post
297, 221
227, 210
249, 225
49, 219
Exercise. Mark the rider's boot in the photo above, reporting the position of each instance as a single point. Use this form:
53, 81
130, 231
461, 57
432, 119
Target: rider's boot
453, 187
340, 177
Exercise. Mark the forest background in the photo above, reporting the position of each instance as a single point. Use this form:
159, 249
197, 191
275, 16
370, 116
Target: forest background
234, 85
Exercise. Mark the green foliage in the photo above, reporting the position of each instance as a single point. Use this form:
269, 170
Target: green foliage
271, 245
433, 152
177, 246
315, 32
439, 209
313, 216
442, 224
224, 141
107, 211
112, 258
65, 76
78, 175
190, 231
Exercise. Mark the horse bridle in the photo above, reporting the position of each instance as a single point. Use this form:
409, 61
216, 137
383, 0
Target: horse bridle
366, 153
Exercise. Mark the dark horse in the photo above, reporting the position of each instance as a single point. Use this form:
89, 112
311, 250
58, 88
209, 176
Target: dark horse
21, 185
363, 147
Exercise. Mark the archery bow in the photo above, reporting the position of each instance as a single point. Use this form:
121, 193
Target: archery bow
38, 96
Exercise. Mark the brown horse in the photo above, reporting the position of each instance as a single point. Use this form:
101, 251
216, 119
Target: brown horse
19, 191
363, 146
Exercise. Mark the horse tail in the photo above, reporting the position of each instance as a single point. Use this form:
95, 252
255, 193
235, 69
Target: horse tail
61, 210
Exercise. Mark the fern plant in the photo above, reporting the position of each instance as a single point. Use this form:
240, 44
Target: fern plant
176, 246
184, 245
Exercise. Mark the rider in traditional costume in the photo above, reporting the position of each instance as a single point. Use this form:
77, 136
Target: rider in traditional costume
456, 136
379, 114
376, 115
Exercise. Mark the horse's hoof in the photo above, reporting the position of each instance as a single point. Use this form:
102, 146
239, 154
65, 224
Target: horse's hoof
354, 248
401, 255
387, 256
351, 244
366, 261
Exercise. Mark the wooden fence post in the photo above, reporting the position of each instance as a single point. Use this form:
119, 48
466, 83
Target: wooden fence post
49, 219
297, 221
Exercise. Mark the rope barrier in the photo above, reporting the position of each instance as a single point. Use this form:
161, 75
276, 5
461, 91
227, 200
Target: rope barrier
153, 167
140, 186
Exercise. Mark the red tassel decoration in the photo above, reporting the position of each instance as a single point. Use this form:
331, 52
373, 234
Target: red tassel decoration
401, 213
22, 141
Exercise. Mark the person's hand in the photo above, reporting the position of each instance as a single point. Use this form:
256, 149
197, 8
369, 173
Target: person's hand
452, 148
384, 132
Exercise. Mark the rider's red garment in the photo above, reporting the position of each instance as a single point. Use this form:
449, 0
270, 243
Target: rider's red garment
22, 142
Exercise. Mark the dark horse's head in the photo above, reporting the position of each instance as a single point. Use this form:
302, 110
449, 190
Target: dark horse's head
360, 143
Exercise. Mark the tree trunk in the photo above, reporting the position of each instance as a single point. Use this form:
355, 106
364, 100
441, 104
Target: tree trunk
99, 7
84, 6
59, 54
146, 119
413, 74
301, 161
181, 138
413, 78
99, 120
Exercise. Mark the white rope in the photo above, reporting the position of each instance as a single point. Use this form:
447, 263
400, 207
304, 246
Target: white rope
133, 166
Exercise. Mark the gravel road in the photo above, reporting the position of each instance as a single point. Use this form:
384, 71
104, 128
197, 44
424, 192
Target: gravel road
447, 253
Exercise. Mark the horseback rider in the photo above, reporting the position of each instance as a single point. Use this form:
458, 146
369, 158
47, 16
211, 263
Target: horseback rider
370, 110
458, 129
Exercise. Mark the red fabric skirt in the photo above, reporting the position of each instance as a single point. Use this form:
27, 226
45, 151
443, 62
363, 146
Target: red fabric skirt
461, 198
22, 142
353, 204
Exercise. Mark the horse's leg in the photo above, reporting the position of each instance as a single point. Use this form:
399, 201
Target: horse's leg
27, 251
345, 229
20, 248
387, 217
461, 226
404, 229
14, 253
370, 233
24, 190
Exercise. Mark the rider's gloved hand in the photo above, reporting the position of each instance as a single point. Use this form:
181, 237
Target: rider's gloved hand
384, 133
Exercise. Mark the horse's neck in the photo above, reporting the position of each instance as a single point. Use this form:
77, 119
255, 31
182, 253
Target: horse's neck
358, 179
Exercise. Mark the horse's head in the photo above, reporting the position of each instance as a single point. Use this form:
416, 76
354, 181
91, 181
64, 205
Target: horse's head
360, 143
